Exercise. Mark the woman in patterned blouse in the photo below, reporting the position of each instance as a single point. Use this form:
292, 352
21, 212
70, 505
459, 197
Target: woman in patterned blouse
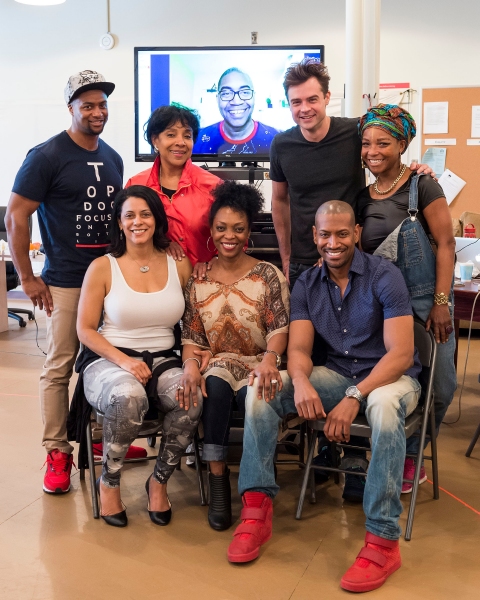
239, 313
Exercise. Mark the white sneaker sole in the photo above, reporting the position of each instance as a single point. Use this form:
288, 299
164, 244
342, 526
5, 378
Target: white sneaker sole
56, 491
409, 491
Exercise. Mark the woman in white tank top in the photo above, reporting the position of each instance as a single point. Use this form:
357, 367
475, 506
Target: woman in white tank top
139, 289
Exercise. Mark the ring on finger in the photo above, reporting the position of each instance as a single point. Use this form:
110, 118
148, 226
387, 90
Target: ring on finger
273, 381
180, 387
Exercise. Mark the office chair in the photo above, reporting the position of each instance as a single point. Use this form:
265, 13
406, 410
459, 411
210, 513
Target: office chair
13, 280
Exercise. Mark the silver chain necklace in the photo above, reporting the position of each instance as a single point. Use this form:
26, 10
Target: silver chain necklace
375, 185
144, 268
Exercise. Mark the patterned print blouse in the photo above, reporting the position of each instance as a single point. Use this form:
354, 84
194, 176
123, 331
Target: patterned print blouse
235, 321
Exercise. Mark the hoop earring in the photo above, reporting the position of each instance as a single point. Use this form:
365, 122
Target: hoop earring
247, 249
121, 234
209, 238
364, 166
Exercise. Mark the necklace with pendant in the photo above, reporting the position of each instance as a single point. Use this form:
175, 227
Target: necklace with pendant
143, 268
382, 193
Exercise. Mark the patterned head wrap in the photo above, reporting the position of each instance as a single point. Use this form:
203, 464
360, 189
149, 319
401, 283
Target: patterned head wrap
391, 118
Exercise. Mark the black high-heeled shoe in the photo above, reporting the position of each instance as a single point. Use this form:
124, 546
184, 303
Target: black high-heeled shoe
159, 517
118, 519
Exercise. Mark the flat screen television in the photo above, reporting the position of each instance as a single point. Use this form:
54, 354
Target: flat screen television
236, 91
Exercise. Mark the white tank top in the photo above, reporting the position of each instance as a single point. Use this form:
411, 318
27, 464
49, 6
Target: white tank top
138, 320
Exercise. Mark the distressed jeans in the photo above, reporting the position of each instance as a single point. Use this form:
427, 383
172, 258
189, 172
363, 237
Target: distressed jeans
386, 410
123, 401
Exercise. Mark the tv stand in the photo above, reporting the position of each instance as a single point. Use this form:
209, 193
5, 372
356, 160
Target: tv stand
248, 171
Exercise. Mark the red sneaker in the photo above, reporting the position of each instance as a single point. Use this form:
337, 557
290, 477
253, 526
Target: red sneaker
409, 473
376, 561
133, 452
57, 476
255, 529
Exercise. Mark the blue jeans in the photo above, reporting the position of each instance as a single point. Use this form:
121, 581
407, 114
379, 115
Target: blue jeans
445, 378
386, 410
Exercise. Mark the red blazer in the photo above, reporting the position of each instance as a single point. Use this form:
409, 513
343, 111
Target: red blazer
188, 210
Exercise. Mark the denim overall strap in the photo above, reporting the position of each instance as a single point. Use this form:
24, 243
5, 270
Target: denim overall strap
416, 259
413, 197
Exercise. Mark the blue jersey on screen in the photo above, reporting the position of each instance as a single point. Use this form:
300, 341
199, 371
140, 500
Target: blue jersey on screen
214, 140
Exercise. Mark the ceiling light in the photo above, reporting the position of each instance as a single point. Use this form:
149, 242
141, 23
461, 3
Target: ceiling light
41, 2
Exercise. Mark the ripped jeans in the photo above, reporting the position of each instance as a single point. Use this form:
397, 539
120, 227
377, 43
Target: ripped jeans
386, 410
122, 399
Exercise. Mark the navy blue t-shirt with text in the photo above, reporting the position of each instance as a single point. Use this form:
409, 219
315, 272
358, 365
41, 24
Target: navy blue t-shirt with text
76, 189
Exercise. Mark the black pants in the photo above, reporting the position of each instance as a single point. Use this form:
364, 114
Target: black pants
218, 406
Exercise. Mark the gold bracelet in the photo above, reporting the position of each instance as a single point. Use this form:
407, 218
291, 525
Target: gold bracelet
440, 299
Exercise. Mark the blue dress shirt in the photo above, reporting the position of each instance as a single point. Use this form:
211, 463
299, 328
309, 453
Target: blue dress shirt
352, 327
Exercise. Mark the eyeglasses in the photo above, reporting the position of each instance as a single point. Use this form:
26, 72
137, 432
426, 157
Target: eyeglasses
227, 94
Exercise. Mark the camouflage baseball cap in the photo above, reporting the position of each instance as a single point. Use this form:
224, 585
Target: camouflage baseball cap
84, 81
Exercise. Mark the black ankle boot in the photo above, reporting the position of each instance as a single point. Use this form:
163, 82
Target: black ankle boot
220, 507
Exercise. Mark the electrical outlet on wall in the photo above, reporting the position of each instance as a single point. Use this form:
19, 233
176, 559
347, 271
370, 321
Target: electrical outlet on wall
254, 37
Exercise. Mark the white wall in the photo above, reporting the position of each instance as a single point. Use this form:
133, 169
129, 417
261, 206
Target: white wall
427, 42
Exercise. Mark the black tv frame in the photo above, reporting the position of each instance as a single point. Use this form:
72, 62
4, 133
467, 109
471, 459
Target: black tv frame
222, 158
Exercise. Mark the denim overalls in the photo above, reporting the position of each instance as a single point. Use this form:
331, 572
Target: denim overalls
409, 248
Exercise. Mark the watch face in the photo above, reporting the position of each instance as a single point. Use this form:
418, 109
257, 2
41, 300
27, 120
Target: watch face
354, 392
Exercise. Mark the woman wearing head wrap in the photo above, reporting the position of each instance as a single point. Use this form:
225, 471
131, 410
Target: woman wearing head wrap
386, 131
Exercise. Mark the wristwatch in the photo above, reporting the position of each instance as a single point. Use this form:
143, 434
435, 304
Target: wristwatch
279, 358
354, 392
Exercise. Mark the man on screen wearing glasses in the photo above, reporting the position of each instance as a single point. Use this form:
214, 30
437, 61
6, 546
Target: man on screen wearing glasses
238, 133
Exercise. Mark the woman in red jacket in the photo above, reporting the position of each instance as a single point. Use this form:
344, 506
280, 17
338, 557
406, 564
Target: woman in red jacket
184, 189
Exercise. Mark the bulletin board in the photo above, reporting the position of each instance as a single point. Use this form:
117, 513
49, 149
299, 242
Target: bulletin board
463, 160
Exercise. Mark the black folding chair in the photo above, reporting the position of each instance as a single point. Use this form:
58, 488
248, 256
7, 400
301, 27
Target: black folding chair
150, 430
423, 417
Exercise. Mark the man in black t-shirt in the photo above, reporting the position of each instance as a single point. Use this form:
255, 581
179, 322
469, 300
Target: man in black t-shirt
316, 161
71, 181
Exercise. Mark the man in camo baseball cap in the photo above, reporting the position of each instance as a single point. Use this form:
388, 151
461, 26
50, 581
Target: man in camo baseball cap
84, 81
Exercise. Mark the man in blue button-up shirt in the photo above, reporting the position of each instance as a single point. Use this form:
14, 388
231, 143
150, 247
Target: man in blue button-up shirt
360, 306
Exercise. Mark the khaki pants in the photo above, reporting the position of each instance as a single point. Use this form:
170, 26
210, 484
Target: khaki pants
62, 349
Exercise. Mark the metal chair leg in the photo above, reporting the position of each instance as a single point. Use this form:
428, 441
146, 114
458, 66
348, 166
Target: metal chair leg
312, 436
473, 442
336, 461
433, 446
419, 460
91, 468
208, 483
301, 445
305, 477
198, 467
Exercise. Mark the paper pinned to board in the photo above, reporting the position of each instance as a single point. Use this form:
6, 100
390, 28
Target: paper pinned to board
440, 142
435, 159
451, 184
435, 117
475, 121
